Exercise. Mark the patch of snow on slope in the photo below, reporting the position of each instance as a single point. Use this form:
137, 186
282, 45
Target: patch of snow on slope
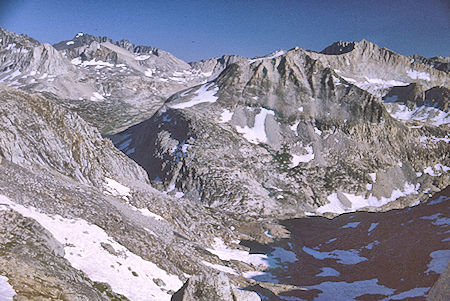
276, 54
147, 212
375, 85
437, 170
204, 94
148, 72
296, 159
219, 267
141, 57
334, 205
116, 189
358, 202
414, 74
256, 134
225, 253
76, 61
82, 247
96, 63
70, 43
261, 276
96, 97
295, 126
423, 114
226, 116
6, 290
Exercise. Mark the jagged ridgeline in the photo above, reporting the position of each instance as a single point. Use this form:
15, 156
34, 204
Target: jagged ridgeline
126, 172
112, 85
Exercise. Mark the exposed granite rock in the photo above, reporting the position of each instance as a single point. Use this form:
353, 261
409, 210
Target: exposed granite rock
441, 289
212, 287
278, 136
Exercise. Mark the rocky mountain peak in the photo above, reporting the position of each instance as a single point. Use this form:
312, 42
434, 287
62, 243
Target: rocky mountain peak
7, 39
339, 47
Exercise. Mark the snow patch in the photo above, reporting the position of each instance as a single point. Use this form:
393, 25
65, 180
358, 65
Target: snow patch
296, 159
358, 202
116, 189
225, 116
276, 54
219, 267
226, 253
76, 61
97, 97
437, 170
414, 74
203, 94
256, 134
70, 43
141, 57
127, 273
423, 114
148, 213
6, 290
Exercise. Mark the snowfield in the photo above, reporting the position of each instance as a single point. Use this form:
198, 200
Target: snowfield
203, 94
127, 273
257, 133
358, 202
6, 290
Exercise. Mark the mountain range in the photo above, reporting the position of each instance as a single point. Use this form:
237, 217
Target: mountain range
128, 173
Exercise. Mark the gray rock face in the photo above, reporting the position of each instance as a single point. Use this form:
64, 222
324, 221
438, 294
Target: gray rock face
93, 216
212, 287
286, 134
36, 131
376, 69
438, 62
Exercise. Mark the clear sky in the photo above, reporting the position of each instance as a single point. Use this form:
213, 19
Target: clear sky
194, 30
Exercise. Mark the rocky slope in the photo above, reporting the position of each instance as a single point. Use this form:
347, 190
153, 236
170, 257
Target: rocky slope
111, 84
286, 135
86, 210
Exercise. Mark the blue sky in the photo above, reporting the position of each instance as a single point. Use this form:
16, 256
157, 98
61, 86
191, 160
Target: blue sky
193, 30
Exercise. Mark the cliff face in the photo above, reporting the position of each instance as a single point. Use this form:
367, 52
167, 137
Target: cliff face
287, 134
93, 227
